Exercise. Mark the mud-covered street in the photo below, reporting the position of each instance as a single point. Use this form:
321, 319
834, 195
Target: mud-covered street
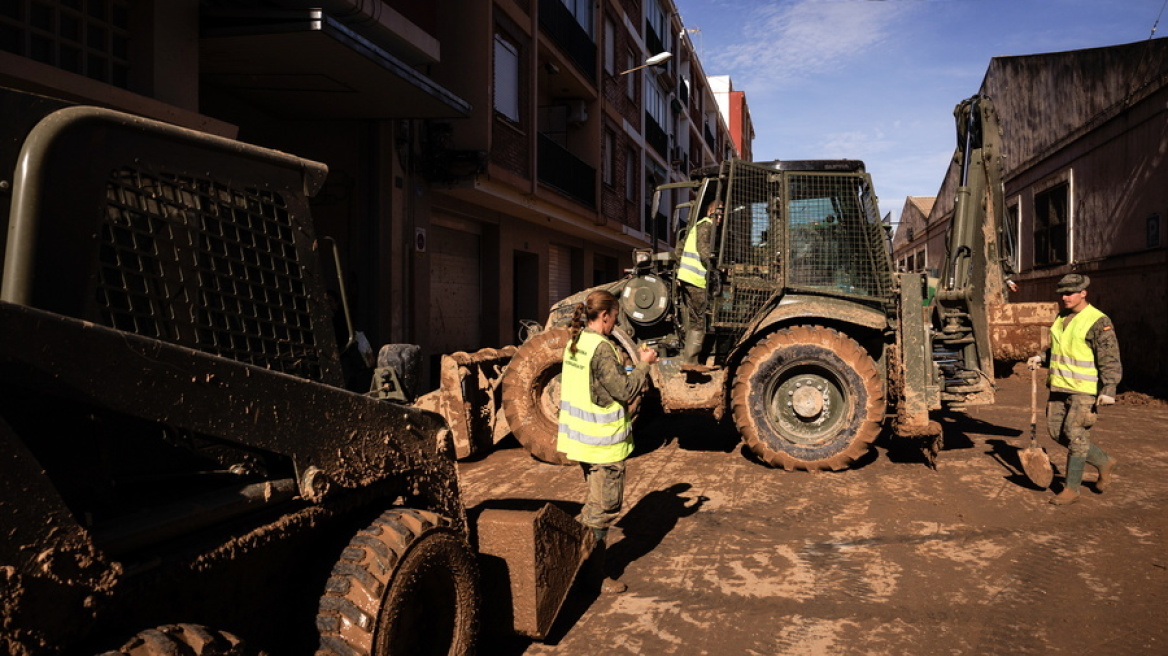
725, 556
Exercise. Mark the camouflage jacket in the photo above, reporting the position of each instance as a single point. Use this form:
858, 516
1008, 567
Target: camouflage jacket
1105, 345
611, 383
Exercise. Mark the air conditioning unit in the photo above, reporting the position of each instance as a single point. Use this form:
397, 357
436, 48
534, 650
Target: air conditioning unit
577, 112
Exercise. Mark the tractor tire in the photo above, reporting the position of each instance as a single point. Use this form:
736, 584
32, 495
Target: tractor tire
406, 585
183, 640
531, 394
809, 398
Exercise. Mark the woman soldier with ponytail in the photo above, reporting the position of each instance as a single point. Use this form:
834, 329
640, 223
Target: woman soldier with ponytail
595, 428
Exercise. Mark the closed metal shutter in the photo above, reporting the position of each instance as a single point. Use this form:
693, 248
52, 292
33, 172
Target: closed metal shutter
455, 290
559, 273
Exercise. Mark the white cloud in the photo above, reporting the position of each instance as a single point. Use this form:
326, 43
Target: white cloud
789, 41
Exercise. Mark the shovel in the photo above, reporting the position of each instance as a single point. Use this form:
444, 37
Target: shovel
1035, 462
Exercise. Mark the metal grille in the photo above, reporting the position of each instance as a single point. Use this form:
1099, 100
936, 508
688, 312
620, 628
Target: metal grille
750, 245
836, 241
814, 231
199, 263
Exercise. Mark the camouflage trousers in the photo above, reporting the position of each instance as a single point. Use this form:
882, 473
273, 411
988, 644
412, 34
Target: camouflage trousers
1069, 418
606, 491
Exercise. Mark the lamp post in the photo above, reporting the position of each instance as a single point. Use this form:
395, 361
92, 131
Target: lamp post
655, 60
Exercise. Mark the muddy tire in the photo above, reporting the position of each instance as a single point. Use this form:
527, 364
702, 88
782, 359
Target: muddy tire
183, 640
531, 394
408, 584
809, 398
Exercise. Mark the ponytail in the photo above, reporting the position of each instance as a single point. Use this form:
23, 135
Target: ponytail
579, 320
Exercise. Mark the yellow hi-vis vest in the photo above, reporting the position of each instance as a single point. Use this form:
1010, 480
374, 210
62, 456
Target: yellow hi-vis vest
691, 269
589, 432
1072, 363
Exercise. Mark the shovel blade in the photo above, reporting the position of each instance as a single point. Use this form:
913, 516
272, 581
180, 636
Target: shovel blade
1036, 464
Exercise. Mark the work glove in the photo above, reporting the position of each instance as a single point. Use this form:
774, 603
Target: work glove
1034, 362
1104, 399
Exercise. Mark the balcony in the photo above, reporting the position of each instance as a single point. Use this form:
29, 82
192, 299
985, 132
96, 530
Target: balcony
566, 173
655, 135
561, 26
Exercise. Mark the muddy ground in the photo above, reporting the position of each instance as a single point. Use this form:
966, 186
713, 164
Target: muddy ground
725, 556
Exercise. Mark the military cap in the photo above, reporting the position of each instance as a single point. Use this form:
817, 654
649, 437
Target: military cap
1072, 283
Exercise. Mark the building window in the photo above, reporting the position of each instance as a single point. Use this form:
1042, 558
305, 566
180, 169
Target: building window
582, 11
631, 78
1011, 236
655, 104
609, 156
1052, 218
94, 42
506, 78
609, 47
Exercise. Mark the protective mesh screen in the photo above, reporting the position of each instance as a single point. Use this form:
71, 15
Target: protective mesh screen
197, 262
751, 244
806, 230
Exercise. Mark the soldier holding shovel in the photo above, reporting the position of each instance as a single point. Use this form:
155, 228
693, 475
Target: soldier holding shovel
1084, 372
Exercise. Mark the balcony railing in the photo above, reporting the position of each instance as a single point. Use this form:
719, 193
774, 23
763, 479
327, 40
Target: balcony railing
561, 26
563, 171
656, 136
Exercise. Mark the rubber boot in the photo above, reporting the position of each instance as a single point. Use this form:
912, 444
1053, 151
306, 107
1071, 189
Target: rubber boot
1070, 493
693, 346
692, 351
1099, 459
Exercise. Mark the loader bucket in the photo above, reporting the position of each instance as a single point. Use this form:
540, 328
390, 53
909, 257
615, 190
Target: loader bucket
470, 398
529, 558
1020, 330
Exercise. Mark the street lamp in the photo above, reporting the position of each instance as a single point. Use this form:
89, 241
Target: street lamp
655, 60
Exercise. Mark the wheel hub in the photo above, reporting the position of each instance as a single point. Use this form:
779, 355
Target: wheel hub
806, 401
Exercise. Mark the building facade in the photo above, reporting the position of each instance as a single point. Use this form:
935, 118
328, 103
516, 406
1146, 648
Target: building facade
485, 158
1084, 135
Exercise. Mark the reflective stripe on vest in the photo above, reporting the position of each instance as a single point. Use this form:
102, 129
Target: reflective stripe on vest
580, 418
690, 269
1072, 363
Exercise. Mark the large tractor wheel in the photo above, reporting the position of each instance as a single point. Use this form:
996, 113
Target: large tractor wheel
405, 586
182, 640
809, 398
531, 394
531, 391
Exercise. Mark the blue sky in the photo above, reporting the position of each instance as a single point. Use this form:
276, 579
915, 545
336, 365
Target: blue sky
877, 80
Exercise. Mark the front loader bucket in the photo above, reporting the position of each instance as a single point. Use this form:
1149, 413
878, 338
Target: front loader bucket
529, 558
470, 398
1020, 330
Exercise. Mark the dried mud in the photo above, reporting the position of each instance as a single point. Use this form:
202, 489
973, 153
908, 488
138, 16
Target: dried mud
725, 556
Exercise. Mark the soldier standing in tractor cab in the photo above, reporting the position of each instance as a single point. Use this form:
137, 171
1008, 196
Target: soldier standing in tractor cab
595, 427
1084, 372
696, 259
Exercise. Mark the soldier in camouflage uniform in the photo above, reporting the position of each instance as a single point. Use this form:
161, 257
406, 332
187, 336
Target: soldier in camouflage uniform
696, 259
595, 427
1084, 372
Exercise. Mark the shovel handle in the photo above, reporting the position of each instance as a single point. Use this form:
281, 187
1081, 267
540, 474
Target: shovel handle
1033, 403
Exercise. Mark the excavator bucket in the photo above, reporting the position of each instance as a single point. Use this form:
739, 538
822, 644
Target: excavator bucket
530, 559
470, 397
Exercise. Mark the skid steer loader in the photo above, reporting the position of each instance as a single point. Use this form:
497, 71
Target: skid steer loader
181, 468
